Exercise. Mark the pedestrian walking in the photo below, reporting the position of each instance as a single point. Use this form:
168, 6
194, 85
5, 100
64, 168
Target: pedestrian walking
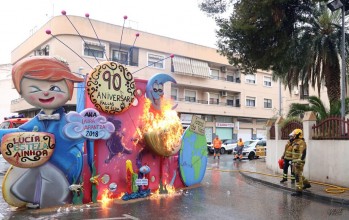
299, 152
217, 144
239, 148
287, 157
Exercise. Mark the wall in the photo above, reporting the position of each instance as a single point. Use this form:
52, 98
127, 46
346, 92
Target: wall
326, 161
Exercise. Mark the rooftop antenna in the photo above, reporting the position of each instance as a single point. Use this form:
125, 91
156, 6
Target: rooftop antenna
171, 56
122, 32
87, 15
65, 14
50, 33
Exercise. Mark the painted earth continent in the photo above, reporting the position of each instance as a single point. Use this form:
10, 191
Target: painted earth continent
193, 157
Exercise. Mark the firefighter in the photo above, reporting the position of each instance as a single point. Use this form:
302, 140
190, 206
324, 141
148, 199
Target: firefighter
287, 157
217, 144
299, 152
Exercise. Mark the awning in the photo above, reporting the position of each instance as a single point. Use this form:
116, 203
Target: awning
190, 67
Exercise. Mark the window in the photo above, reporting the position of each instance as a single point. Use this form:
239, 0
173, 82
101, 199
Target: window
230, 78
237, 102
174, 94
224, 119
209, 118
245, 120
156, 61
214, 98
230, 102
214, 74
190, 96
304, 91
267, 81
250, 101
94, 50
120, 56
267, 103
250, 78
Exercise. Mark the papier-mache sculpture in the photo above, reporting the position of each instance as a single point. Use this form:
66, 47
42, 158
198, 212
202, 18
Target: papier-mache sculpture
133, 141
46, 161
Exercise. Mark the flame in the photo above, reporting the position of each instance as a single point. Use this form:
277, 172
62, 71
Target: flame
171, 190
106, 197
166, 124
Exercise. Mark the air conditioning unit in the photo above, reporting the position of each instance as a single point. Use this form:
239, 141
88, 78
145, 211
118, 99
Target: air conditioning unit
223, 69
295, 92
224, 93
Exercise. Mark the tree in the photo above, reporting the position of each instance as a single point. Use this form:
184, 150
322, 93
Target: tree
297, 39
317, 106
314, 54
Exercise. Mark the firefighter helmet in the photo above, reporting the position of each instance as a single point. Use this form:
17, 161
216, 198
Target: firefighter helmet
296, 133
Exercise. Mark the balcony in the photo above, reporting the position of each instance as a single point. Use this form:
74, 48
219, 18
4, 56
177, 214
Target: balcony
205, 102
215, 84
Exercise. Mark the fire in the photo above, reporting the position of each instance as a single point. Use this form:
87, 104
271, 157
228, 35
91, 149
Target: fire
171, 190
163, 128
166, 189
106, 197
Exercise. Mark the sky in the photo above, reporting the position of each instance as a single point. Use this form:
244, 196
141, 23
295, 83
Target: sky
178, 19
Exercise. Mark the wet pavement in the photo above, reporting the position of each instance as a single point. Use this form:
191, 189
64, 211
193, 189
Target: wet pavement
230, 190
259, 172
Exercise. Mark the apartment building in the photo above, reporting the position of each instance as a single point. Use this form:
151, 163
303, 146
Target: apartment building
232, 104
6, 85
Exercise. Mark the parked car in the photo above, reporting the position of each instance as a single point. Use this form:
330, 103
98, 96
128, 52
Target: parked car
4, 165
210, 148
13, 122
249, 150
261, 148
10, 122
228, 146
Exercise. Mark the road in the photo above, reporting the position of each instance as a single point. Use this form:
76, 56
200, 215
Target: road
223, 194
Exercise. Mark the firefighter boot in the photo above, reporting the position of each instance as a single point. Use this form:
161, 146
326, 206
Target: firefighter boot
297, 193
306, 186
283, 180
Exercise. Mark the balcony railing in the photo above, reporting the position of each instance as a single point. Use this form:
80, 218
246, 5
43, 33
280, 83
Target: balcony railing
237, 80
205, 102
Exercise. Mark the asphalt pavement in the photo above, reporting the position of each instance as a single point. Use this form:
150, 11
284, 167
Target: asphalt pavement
258, 171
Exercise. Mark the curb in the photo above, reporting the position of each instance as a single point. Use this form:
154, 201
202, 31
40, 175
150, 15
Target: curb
307, 193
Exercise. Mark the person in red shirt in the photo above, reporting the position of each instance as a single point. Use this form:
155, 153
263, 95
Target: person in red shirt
217, 144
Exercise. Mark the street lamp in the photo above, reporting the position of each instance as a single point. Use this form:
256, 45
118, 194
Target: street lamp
333, 6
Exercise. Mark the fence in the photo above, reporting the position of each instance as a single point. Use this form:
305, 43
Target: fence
333, 127
289, 127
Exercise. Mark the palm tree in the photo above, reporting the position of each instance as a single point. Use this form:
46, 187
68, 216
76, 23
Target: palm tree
317, 106
315, 54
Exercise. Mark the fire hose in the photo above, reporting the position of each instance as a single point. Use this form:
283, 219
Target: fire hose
332, 189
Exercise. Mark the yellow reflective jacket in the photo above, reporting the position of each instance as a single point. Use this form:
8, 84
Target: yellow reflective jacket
299, 150
288, 151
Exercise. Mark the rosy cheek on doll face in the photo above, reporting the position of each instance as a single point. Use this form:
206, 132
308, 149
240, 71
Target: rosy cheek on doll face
45, 94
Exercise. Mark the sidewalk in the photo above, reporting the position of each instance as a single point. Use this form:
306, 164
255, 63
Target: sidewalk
256, 168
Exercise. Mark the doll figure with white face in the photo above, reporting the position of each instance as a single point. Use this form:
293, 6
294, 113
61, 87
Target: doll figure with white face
46, 83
